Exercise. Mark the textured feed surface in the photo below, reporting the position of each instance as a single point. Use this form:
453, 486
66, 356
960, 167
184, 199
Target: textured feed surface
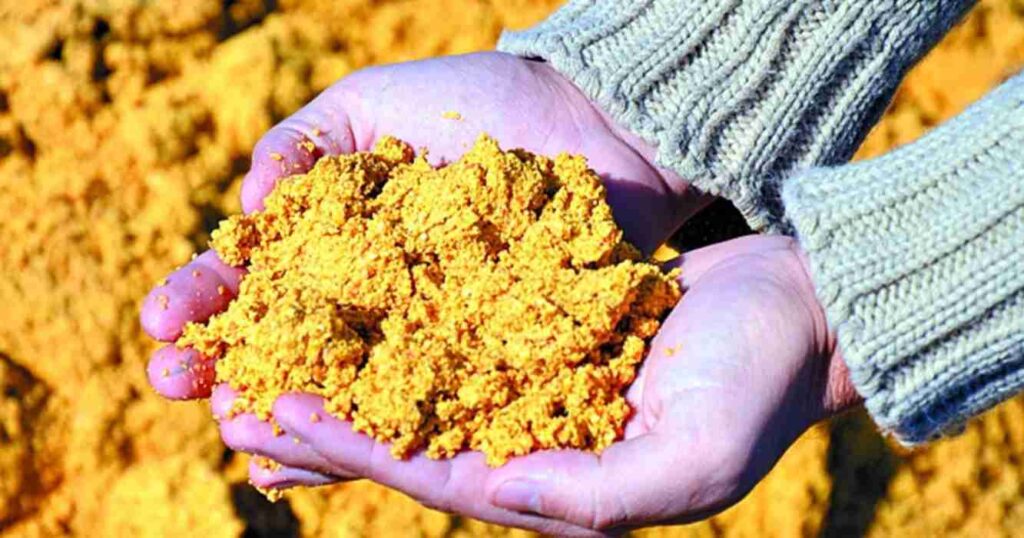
489, 304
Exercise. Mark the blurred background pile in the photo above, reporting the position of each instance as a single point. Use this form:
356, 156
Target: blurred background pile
125, 127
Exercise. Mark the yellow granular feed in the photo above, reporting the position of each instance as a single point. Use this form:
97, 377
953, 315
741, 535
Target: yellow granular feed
125, 127
187, 490
490, 304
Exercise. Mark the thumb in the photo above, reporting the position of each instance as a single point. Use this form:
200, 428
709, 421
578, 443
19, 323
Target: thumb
632, 482
294, 145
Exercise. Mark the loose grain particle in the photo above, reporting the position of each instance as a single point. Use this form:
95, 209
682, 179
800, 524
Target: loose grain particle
272, 494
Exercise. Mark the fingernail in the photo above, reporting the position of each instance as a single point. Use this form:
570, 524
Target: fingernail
521, 495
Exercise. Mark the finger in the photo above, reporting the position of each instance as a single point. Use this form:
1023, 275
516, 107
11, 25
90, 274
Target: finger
245, 432
285, 477
196, 291
222, 401
303, 416
292, 146
449, 485
180, 374
626, 486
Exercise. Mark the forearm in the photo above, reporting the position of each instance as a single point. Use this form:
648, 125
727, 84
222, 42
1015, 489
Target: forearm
917, 258
737, 93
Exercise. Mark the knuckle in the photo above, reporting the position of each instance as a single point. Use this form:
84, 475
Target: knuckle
277, 139
367, 465
443, 500
608, 509
603, 520
264, 146
237, 437
229, 438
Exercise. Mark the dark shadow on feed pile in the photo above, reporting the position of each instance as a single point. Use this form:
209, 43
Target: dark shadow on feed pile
263, 519
718, 222
861, 465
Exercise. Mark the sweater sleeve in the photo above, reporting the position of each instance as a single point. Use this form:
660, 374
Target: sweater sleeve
734, 93
918, 257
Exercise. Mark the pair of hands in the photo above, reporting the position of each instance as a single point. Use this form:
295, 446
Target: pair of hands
741, 367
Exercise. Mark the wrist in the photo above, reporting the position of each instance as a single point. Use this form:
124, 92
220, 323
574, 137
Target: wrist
840, 394
737, 93
835, 391
680, 199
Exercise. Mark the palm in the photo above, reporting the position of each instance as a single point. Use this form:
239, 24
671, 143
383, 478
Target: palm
715, 341
734, 376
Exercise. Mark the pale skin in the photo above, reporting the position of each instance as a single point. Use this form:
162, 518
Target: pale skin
743, 364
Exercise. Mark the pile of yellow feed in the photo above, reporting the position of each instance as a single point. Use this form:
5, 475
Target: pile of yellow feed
124, 129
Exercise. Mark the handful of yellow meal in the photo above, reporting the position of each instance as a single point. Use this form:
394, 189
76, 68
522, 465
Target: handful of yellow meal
490, 304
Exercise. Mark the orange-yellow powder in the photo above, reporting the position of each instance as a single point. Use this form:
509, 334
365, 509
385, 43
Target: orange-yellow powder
125, 127
491, 304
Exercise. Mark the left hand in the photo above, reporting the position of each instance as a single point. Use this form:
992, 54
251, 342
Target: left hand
742, 366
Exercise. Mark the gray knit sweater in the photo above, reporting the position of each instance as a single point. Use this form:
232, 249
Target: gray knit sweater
918, 256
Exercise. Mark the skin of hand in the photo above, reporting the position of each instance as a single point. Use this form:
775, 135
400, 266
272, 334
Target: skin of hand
741, 367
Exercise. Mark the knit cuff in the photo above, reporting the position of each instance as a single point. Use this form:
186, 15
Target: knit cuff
917, 257
733, 92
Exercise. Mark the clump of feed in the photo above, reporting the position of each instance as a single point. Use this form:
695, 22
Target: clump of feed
490, 304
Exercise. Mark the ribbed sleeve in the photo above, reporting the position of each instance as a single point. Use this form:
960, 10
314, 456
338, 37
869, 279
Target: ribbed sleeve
736, 92
918, 257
